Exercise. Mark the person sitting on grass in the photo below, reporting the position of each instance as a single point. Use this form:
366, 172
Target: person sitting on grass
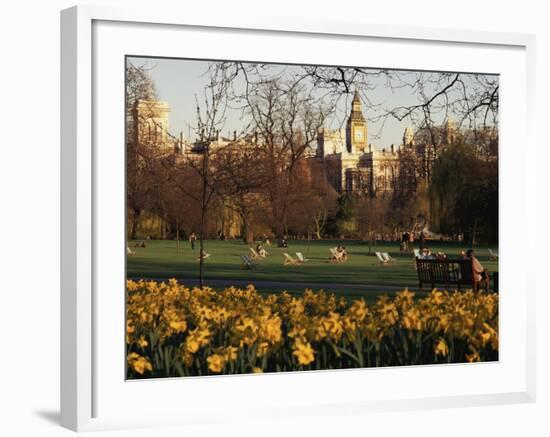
481, 274
261, 251
342, 251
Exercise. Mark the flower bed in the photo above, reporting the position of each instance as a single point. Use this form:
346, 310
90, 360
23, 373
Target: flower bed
177, 331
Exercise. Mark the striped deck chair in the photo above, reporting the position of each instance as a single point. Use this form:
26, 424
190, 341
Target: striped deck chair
290, 261
248, 263
381, 258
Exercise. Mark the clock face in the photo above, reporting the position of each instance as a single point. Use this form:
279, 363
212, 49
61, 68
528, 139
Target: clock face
359, 135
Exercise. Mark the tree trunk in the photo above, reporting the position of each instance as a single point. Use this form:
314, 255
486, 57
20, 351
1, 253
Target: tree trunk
177, 237
247, 234
201, 251
203, 217
370, 240
135, 219
474, 233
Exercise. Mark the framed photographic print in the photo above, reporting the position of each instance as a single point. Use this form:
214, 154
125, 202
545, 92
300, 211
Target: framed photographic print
285, 218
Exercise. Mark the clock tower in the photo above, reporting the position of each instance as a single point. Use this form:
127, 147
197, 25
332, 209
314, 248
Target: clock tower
356, 128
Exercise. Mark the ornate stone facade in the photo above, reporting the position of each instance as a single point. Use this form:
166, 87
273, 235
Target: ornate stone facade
151, 117
350, 161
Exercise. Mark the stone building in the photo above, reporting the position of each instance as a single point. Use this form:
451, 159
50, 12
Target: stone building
350, 161
150, 118
353, 165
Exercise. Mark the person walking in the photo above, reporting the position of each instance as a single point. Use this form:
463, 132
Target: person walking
192, 239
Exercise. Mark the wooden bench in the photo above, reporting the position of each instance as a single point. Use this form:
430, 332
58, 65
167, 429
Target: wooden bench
449, 272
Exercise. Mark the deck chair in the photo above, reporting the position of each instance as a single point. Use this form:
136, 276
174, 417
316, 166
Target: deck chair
301, 257
254, 254
381, 258
387, 257
129, 251
290, 261
493, 255
248, 263
204, 256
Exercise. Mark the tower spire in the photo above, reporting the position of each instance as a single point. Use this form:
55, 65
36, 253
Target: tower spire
356, 129
356, 98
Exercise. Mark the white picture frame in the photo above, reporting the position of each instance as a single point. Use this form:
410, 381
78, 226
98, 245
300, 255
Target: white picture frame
82, 316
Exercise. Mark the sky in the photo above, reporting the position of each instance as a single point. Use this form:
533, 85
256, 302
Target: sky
180, 82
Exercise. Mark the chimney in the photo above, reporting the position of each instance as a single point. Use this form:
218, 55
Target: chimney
234, 135
218, 135
370, 147
392, 149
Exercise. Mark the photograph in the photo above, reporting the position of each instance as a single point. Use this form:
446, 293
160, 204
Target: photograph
299, 217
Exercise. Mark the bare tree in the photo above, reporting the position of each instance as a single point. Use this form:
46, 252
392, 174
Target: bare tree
286, 119
192, 175
242, 180
140, 190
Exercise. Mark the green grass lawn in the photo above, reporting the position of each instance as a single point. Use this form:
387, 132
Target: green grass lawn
160, 260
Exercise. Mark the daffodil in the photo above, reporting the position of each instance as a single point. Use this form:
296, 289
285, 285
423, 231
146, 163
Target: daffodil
231, 353
142, 342
178, 325
262, 349
358, 310
215, 363
138, 363
192, 344
441, 348
303, 352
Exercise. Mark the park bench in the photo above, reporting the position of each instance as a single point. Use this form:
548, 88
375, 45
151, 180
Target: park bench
446, 272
